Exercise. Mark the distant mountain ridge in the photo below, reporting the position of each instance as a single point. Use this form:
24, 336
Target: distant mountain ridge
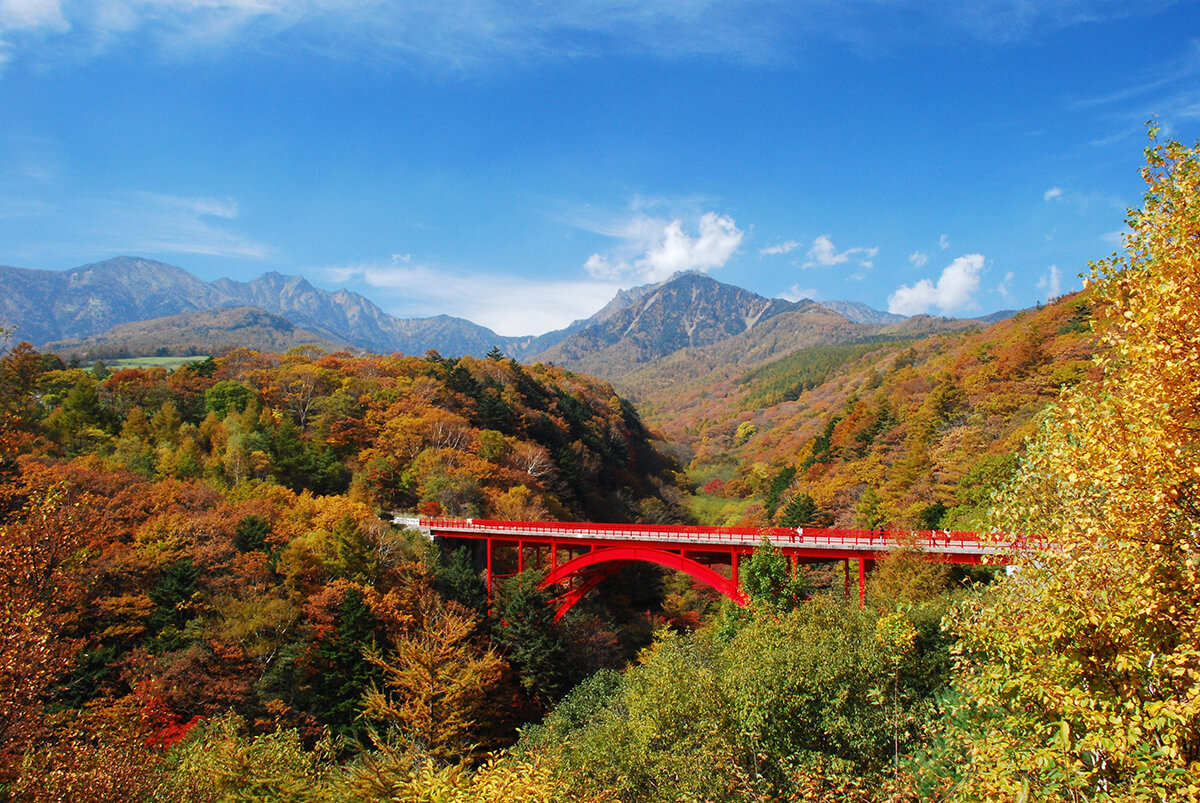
860, 313
51, 306
690, 316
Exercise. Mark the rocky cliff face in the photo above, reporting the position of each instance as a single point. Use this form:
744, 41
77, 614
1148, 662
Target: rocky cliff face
47, 305
688, 310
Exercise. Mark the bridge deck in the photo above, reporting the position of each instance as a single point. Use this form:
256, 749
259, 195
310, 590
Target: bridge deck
967, 547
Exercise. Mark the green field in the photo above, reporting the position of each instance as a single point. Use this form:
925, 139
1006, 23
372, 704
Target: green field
170, 363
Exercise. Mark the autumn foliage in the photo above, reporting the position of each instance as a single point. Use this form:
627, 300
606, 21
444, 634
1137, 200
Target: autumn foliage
176, 546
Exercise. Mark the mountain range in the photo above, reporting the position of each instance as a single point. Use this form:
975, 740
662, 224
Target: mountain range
90, 311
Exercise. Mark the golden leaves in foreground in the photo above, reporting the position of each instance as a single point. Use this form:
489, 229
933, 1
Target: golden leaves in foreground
1081, 672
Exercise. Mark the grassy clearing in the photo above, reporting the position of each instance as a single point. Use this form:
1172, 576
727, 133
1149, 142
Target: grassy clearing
170, 363
716, 511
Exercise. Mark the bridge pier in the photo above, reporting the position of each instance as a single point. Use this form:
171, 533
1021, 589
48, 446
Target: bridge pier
489, 571
862, 582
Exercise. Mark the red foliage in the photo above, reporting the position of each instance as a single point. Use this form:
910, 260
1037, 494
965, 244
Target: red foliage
166, 728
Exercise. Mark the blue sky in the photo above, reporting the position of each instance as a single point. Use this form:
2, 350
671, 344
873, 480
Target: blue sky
515, 163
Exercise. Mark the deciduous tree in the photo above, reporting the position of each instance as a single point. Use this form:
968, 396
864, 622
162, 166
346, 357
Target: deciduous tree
1081, 672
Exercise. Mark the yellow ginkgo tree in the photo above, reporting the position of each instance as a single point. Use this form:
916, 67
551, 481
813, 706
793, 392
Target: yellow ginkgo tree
1079, 674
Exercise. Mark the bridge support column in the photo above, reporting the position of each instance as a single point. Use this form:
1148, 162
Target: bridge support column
846, 566
734, 565
520, 556
553, 555
862, 582
489, 569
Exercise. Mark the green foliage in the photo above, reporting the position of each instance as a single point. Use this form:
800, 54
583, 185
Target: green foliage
251, 534
227, 396
779, 483
220, 762
172, 597
82, 422
338, 672
812, 704
931, 517
820, 450
456, 579
529, 637
801, 511
786, 378
768, 580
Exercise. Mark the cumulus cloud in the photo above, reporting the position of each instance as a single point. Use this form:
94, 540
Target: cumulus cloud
944, 242
508, 305
653, 249
953, 292
781, 248
918, 259
1052, 193
824, 254
1051, 282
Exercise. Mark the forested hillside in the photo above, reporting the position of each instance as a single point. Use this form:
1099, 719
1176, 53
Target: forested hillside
181, 545
906, 433
202, 598
201, 332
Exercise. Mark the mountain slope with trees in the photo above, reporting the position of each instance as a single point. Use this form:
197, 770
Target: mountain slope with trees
203, 332
908, 433
187, 617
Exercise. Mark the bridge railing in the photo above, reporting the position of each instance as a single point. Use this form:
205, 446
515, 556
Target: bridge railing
927, 540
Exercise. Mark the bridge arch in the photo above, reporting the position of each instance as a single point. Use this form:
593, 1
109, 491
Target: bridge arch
610, 560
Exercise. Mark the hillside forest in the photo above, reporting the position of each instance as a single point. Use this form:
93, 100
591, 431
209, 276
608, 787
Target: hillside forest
203, 596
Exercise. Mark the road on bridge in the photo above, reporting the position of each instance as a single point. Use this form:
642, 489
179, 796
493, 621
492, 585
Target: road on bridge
580, 555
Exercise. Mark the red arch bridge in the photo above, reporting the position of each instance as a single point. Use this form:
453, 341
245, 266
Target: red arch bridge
578, 556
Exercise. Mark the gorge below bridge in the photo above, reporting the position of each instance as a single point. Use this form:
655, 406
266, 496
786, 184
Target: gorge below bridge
578, 556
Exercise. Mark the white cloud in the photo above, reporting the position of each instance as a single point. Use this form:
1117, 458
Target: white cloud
508, 305
918, 259
824, 254
653, 249
954, 291
455, 35
1051, 282
1002, 288
1052, 193
781, 248
157, 223
944, 242
462, 35
798, 293
32, 14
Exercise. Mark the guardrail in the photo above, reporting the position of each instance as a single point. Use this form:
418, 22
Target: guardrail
942, 541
